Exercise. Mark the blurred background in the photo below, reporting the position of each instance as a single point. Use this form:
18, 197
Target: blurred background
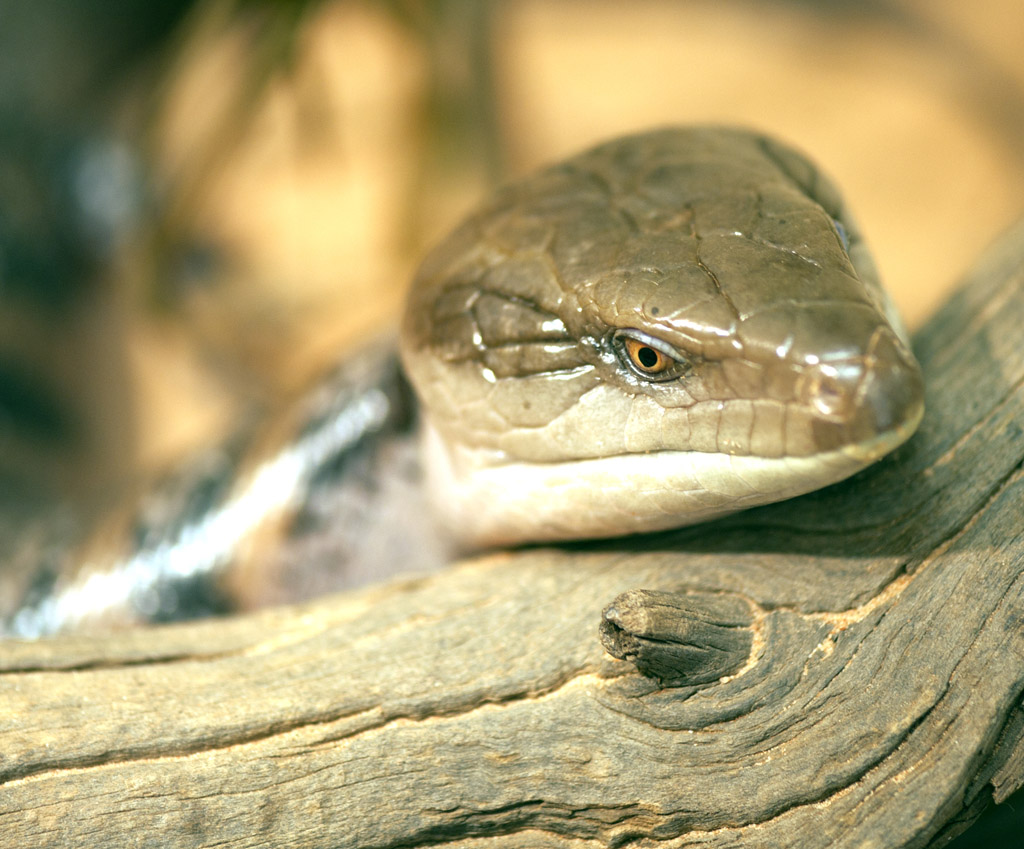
205, 204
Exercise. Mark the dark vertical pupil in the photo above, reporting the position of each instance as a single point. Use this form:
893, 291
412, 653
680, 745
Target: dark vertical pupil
648, 357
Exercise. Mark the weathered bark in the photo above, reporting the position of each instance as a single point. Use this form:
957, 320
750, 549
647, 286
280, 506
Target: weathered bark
866, 646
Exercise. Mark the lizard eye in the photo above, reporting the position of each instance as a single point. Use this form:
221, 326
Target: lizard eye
647, 357
843, 237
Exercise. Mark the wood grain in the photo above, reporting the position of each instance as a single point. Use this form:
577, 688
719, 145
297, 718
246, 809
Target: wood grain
875, 700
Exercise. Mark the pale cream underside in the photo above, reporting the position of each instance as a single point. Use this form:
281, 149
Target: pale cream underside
486, 503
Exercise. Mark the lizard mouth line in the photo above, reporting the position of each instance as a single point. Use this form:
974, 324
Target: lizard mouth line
619, 494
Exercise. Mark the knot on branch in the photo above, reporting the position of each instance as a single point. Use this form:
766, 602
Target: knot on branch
681, 639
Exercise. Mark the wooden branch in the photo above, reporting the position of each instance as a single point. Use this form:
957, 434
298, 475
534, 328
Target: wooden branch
845, 670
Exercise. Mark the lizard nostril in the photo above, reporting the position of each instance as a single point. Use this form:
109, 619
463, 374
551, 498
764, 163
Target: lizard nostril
893, 391
832, 389
854, 401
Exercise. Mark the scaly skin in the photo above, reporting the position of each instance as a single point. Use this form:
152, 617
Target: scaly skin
721, 248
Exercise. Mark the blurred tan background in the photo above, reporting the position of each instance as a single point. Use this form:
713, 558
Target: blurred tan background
305, 155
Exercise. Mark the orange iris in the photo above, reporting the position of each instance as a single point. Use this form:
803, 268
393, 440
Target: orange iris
645, 358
